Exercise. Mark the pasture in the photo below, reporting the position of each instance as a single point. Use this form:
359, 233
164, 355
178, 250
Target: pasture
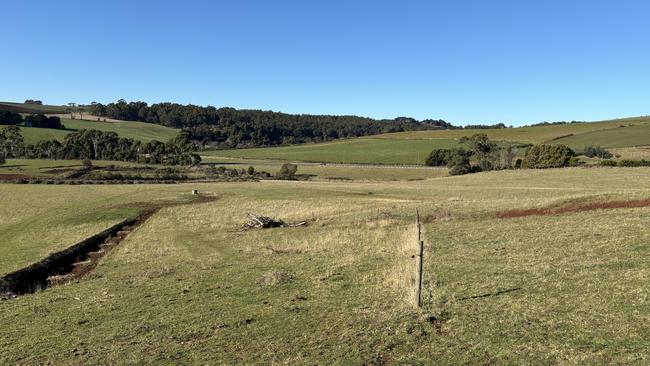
190, 287
412, 147
129, 129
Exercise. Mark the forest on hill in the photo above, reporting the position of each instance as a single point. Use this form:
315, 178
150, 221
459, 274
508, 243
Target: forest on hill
235, 128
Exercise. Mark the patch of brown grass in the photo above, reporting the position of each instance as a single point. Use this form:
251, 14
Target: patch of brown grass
574, 207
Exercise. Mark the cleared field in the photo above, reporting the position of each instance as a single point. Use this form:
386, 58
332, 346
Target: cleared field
190, 287
359, 151
136, 130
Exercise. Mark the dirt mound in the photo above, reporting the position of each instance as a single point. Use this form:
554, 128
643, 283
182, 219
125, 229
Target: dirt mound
574, 207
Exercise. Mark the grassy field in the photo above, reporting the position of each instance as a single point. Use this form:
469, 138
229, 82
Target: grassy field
618, 137
412, 147
135, 130
357, 151
329, 172
189, 287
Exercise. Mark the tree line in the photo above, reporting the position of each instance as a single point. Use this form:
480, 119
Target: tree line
235, 128
31, 120
100, 145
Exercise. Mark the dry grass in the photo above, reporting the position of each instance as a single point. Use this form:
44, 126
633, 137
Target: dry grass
559, 289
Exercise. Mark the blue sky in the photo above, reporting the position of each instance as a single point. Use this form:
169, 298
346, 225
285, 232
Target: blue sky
463, 61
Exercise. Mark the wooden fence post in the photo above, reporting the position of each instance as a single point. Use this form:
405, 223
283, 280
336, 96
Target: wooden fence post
420, 258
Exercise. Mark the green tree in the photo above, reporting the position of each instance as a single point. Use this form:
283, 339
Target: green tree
548, 156
459, 162
11, 141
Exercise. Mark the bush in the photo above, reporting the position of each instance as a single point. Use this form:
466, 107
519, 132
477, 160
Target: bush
597, 152
2, 160
608, 163
87, 163
251, 170
548, 156
634, 163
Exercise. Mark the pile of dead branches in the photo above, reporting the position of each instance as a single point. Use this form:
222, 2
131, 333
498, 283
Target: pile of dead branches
265, 222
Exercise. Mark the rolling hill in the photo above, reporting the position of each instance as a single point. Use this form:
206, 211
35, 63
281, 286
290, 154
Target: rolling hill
412, 147
136, 130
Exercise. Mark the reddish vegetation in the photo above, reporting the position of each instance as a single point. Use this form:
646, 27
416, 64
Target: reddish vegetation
574, 207
13, 176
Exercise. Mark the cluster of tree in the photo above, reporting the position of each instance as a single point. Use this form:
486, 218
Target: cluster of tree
487, 154
597, 152
545, 156
32, 120
32, 101
99, 145
486, 127
10, 118
232, 128
42, 121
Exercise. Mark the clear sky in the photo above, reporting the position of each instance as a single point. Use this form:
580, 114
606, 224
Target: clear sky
464, 61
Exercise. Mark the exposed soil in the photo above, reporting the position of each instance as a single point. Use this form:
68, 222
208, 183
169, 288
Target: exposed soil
574, 207
79, 259
13, 176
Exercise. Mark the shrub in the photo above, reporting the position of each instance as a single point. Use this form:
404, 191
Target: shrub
2, 160
634, 163
251, 170
608, 163
548, 156
597, 152
87, 163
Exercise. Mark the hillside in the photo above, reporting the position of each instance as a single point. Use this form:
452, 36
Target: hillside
411, 147
32, 108
136, 130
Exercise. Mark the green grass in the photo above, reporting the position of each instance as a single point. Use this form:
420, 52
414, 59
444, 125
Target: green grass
51, 168
618, 137
536, 134
329, 172
354, 151
130, 129
189, 287
412, 147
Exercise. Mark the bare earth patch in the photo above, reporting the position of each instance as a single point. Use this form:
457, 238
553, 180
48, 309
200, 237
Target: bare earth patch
574, 207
